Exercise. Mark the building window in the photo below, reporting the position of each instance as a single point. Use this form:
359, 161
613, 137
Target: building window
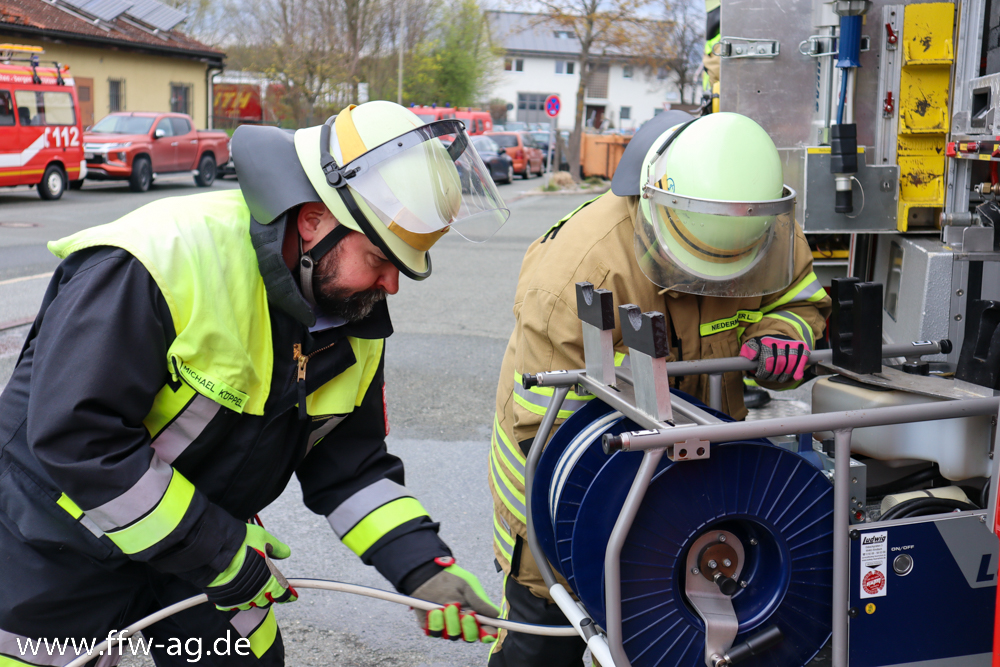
626, 113
627, 71
518, 65
508, 64
564, 34
565, 67
661, 73
180, 98
116, 94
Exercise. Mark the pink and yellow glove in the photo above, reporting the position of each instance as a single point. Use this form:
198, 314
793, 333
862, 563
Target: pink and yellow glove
457, 590
779, 358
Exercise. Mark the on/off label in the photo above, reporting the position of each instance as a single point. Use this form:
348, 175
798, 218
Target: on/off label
874, 563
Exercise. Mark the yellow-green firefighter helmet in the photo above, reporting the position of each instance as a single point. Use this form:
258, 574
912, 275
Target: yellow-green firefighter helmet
714, 217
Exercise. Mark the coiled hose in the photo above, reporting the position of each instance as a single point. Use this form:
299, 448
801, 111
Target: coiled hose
924, 507
340, 587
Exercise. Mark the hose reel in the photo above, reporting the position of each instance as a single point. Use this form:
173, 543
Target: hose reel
723, 550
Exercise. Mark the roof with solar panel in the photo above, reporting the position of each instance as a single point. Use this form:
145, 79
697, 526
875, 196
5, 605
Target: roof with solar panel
145, 25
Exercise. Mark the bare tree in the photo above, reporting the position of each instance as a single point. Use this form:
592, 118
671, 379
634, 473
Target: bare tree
683, 40
602, 27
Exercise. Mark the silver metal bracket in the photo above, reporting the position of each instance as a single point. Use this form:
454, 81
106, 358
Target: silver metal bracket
689, 450
745, 47
599, 353
645, 334
652, 386
595, 308
812, 46
713, 606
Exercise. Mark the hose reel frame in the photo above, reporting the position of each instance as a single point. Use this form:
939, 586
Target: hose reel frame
592, 490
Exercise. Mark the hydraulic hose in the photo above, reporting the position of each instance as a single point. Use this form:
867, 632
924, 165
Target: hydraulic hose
925, 506
340, 587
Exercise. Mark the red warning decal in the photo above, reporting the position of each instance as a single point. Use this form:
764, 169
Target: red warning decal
873, 583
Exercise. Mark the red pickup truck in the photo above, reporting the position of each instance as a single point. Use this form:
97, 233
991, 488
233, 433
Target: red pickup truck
137, 146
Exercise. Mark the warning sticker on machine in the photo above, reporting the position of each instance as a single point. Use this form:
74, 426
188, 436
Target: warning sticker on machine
874, 561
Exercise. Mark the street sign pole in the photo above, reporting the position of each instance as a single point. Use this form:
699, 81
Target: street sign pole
552, 107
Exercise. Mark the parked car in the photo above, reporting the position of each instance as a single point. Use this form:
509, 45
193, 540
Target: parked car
499, 128
542, 139
500, 164
40, 133
476, 122
137, 146
515, 126
522, 150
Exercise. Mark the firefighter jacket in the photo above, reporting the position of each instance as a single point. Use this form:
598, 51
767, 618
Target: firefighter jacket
595, 244
166, 394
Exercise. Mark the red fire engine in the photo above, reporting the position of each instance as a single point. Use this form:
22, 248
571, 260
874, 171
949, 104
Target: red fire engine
41, 141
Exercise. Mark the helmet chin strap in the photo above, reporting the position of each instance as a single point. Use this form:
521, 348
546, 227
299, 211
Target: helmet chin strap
309, 260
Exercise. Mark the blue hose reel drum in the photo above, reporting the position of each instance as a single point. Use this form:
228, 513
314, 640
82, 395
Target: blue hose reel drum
777, 504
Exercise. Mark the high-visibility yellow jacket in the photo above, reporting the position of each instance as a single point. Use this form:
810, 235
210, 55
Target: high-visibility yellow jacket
166, 404
596, 245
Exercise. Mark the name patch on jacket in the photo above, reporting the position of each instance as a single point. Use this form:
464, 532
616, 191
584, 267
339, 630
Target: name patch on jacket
741, 317
218, 391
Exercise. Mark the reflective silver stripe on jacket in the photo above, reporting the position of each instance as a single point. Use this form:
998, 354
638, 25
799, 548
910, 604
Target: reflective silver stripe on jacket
363, 503
178, 436
542, 400
138, 501
18, 647
324, 431
245, 622
89, 524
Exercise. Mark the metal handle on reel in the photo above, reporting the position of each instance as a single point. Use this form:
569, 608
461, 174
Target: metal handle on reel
756, 645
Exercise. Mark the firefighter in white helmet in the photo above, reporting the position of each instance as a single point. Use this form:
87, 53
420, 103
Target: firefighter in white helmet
193, 355
698, 225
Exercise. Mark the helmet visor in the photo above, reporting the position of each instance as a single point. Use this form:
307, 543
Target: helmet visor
427, 181
716, 248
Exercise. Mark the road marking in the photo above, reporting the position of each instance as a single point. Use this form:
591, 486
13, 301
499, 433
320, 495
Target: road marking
16, 323
24, 278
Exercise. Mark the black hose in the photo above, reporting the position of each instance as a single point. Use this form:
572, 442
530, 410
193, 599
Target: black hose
984, 495
906, 483
925, 506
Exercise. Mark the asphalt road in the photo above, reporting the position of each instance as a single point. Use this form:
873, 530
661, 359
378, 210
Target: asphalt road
441, 372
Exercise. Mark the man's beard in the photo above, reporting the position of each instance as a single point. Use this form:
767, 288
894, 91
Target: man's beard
336, 301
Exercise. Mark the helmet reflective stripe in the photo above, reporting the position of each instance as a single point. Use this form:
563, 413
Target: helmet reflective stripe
701, 249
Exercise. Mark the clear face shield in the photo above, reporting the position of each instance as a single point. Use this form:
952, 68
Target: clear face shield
713, 247
428, 180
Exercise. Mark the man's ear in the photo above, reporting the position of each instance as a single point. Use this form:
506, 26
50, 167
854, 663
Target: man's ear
313, 221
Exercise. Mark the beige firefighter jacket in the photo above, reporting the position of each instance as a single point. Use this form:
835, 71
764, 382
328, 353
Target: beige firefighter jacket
596, 245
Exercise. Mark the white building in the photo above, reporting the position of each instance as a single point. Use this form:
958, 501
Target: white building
540, 59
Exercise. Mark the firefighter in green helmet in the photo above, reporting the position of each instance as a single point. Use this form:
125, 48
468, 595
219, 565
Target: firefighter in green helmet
697, 225
189, 358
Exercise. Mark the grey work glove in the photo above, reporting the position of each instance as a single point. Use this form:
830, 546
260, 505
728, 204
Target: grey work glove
456, 589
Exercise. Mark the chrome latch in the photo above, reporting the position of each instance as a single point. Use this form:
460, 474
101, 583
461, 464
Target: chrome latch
744, 47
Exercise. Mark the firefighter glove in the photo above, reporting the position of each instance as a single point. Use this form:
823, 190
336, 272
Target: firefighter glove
779, 358
460, 592
252, 580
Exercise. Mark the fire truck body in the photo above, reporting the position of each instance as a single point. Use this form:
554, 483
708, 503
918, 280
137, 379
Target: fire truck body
41, 140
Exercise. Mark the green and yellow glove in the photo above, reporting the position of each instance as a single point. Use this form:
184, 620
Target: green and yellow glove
456, 589
252, 580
